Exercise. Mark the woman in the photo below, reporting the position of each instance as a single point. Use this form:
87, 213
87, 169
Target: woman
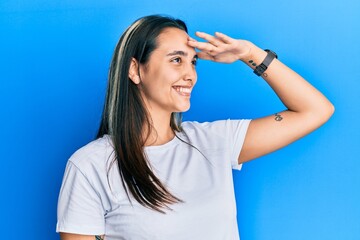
149, 176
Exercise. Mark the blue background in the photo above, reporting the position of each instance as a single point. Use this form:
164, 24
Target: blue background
54, 58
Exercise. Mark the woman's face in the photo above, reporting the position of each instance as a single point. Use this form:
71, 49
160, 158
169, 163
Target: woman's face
169, 76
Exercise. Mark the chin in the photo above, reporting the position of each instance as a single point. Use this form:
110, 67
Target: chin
183, 108
186, 108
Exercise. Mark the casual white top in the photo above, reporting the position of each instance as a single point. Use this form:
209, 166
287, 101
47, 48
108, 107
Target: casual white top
93, 201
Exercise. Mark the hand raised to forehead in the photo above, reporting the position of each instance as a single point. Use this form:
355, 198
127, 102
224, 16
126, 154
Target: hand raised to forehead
220, 48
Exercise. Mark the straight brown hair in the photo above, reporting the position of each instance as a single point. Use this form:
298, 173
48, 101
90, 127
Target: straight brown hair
124, 115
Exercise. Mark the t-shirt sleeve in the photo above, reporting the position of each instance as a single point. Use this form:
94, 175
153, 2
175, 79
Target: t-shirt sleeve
230, 134
236, 132
79, 206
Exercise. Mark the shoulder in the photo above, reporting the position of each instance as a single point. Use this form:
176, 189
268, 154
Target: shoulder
94, 155
198, 126
216, 132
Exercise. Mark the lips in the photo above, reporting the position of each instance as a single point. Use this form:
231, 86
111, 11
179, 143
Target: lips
183, 90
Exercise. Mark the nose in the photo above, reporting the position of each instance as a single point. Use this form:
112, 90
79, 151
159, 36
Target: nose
190, 73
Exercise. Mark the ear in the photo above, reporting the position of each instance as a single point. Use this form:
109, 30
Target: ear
133, 71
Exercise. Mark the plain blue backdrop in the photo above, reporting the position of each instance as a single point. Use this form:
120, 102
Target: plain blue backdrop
54, 58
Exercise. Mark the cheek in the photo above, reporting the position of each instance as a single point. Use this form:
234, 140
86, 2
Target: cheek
167, 77
160, 78
155, 82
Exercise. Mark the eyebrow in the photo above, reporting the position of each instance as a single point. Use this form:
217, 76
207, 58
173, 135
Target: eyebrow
181, 53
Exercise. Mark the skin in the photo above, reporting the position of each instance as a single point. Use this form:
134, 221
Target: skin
172, 64
70, 236
307, 108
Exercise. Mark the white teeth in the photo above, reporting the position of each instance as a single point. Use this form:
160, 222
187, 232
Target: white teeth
185, 90
182, 89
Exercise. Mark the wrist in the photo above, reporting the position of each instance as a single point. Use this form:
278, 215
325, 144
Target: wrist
245, 49
270, 56
254, 57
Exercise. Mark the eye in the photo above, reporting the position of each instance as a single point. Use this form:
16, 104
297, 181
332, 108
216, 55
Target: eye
194, 62
176, 60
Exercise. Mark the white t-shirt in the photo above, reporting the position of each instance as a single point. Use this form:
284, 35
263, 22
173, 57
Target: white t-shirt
93, 201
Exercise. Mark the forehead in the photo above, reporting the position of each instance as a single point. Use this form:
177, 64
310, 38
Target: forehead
174, 39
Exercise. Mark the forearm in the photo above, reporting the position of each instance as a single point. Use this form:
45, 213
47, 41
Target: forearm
293, 90
71, 236
307, 110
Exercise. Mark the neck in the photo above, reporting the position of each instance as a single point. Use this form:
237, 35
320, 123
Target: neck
160, 130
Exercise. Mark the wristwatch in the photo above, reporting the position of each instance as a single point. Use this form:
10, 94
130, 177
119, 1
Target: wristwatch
260, 69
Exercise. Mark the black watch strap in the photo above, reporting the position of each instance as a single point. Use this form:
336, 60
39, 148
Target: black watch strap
260, 69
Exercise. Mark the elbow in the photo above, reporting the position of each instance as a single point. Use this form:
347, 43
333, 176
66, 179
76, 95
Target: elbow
326, 112
330, 109
318, 116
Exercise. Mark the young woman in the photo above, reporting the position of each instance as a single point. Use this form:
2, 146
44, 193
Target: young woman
150, 176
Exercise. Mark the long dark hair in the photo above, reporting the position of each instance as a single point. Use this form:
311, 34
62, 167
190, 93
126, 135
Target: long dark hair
125, 115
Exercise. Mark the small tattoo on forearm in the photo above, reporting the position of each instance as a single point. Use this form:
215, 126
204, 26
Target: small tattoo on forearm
278, 117
252, 63
98, 238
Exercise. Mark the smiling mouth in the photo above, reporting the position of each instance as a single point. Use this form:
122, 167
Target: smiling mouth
184, 91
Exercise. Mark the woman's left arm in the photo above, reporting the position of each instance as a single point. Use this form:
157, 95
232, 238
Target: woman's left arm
307, 108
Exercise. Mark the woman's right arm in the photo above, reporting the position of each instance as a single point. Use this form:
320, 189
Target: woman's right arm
80, 207
71, 236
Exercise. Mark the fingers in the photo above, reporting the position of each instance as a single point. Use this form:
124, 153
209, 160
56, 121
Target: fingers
213, 42
224, 38
202, 46
211, 39
215, 48
209, 47
205, 56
